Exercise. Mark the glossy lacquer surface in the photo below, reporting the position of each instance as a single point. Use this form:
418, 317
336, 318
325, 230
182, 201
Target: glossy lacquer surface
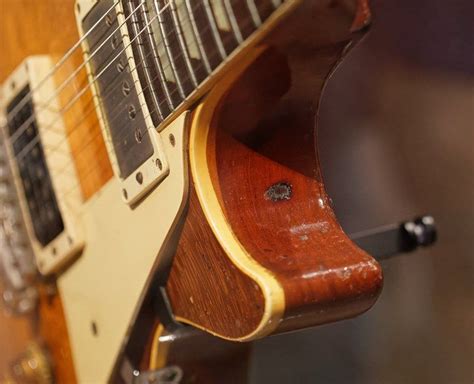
30, 27
262, 157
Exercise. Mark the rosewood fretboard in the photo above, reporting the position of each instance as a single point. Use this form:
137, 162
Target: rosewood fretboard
176, 44
184, 42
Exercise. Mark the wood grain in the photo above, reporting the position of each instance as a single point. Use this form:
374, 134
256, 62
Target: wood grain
265, 170
30, 27
91, 161
203, 282
264, 164
45, 326
52, 330
324, 275
15, 334
49, 27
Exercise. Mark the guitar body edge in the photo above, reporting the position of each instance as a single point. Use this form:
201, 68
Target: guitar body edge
243, 268
275, 257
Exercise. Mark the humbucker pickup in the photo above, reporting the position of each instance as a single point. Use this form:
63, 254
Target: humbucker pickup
151, 59
36, 143
134, 146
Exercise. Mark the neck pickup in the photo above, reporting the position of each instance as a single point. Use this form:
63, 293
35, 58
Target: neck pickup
149, 60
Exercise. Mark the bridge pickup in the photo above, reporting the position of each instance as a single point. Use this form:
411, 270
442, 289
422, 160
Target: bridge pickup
42, 165
118, 60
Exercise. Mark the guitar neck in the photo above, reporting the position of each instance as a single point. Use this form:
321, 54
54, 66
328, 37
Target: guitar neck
184, 43
150, 60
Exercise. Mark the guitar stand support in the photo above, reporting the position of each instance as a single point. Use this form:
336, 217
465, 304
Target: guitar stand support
381, 242
395, 239
163, 310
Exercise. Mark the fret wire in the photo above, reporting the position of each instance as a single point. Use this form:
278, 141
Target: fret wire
158, 63
141, 92
84, 89
215, 30
143, 88
264, 8
206, 34
98, 133
57, 146
77, 185
168, 50
141, 31
182, 43
197, 36
223, 25
91, 140
254, 13
243, 18
71, 102
145, 106
156, 77
177, 55
63, 59
134, 22
233, 21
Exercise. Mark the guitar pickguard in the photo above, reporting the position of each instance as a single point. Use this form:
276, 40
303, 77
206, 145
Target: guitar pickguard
103, 290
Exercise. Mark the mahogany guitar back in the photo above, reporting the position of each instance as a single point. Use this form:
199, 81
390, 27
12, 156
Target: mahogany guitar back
262, 158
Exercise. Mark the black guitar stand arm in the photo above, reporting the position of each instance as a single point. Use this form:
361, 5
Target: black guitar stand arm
395, 239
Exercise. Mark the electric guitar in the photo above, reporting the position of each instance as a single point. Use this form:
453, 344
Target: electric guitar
159, 174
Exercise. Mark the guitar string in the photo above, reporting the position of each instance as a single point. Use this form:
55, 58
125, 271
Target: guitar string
27, 148
164, 101
61, 87
146, 116
75, 72
112, 87
77, 97
60, 63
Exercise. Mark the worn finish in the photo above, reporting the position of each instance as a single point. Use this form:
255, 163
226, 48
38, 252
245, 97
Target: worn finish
16, 333
203, 280
265, 171
53, 331
264, 167
37, 34
46, 326
324, 275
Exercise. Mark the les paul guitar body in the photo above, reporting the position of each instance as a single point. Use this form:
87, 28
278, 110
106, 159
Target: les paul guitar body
235, 236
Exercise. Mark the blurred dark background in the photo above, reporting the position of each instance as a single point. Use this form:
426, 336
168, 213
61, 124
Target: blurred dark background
396, 140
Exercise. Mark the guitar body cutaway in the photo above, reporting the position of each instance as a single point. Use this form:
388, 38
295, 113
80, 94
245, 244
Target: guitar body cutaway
261, 250
241, 232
